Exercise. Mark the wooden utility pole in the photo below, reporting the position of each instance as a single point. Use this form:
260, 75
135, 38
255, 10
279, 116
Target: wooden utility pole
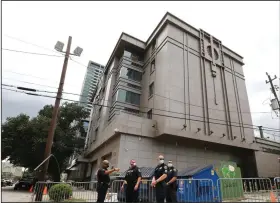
273, 88
49, 143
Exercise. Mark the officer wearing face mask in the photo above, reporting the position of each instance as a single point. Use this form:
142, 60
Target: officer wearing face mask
132, 180
171, 188
103, 180
159, 179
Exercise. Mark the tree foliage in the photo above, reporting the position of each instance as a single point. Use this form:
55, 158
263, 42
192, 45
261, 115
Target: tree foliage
24, 138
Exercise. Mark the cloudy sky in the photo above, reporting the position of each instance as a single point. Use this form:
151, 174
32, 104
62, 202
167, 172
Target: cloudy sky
249, 28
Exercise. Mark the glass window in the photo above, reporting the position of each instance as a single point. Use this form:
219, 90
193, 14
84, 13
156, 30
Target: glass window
131, 74
153, 66
133, 111
150, 114
129, 97
151, 89
133, 86
154, 45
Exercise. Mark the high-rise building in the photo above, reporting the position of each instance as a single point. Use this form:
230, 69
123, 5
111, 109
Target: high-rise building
181, 93
92, 76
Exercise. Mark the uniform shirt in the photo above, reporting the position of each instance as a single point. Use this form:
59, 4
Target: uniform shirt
160, 170
132, 174
171, 172
102, 177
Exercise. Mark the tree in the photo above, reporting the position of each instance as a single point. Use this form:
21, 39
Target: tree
24, 138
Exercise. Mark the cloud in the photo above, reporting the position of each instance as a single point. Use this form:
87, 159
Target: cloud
14, 104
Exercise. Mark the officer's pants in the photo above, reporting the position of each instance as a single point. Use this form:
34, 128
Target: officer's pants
131, 195
171, 194
160, 192
101, 192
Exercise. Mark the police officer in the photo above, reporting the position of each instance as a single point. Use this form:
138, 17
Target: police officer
171, 189
132, 180
103, 180
159, 179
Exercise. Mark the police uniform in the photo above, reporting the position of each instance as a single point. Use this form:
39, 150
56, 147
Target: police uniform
131, 178
160, 186
103, 182
171, 189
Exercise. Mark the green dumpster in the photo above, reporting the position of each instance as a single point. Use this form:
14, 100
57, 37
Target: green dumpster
230, 183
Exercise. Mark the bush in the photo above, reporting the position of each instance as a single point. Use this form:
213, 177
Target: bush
60, 192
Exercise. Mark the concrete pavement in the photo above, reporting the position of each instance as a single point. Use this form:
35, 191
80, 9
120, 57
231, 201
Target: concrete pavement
11, 195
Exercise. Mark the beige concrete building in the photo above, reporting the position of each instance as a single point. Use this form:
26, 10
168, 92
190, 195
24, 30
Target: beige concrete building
181, 93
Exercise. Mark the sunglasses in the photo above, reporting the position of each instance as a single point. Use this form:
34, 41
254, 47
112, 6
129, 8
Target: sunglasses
161, 159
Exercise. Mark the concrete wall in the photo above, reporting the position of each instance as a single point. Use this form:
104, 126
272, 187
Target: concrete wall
268, 164
184, 84
109, 150
183, 153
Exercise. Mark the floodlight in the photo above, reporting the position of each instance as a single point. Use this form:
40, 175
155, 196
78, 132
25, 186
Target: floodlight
78, 51
59, 46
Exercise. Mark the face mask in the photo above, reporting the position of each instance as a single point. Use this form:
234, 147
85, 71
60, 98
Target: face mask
161, 161
169, 165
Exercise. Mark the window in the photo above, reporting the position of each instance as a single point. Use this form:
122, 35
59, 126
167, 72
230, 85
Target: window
129, 97
151, 89
95, 134
153, 66
150, 114
99, 113
132, 111
153, 45
133, 86
131, 74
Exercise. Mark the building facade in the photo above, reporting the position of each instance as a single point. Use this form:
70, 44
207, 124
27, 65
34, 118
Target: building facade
92, 76
181, 93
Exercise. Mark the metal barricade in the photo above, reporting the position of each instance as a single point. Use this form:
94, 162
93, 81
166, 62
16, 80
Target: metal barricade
244, 189
277, 183
146, 193
277, 187
196, 190
75, 191
85, 191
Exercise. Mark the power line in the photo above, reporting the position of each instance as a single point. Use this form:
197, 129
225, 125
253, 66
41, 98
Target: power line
42, 90
139, 111
72, 85
140, 106
36, 45
30, 83
34, 53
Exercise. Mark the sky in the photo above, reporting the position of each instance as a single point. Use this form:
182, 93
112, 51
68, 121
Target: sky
249, 28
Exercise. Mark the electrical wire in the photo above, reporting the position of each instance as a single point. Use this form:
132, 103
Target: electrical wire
36, 45
29, 82
125, 103
33, 53
154, 94
24, 74
139, 111
43, 90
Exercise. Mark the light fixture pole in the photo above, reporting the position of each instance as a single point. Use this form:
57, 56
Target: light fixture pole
77, 52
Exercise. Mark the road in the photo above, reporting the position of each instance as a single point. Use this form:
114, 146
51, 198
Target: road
11, 195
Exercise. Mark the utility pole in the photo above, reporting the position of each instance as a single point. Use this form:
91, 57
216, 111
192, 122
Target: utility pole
273, 88
49, 143
55, 111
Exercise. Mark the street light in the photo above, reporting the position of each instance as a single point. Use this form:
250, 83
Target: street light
59, 47
78, 51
